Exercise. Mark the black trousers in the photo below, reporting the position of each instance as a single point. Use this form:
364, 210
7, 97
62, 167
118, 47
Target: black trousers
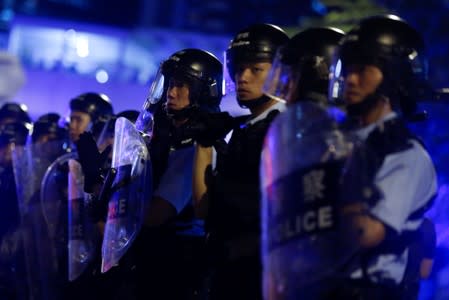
237, 279
170, 266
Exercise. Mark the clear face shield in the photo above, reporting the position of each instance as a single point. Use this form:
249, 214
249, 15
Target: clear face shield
144, 122
106, 137
228, 87
281, 80
336, 81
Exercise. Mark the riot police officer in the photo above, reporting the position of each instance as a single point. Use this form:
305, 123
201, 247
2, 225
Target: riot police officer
302, 155
379, 73
95, 157
89, 112
230, 200
169, 250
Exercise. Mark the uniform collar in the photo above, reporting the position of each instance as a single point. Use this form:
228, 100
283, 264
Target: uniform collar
364, 132
280, 106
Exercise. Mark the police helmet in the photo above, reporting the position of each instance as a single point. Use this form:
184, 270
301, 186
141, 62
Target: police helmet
202, 71
397, 49
256, 43
48, 124
97, 106
301, 67
13, 132
15, 112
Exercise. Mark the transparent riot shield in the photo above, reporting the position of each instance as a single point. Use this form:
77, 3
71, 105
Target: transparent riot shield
54, 195
64, 203
131, 189
83, 235
38, 251
302, 241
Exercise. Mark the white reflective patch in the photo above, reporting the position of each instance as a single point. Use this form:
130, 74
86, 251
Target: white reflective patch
335, 89
337, 71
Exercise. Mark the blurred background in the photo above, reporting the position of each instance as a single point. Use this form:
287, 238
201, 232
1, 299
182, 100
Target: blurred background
68, 47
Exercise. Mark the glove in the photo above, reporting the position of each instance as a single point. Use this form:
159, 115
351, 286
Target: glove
207, 128
98, 206
91, 160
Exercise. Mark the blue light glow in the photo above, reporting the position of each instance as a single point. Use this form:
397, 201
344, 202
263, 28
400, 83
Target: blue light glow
319, 7
102, 76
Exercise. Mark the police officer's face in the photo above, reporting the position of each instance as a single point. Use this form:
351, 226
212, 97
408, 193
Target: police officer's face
7, 121
5, 155
361, 81
79, 122
177, 94
250, 78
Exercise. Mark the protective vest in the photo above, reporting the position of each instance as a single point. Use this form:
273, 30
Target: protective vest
166, 139
234, 201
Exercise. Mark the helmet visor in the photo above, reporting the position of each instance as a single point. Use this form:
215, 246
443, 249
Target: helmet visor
106, 137
281, 80
336, 81
144, 122
228, 87
156, 89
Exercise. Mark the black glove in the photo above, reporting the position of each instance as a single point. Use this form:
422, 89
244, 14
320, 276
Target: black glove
91, 160
98, 206
207, 128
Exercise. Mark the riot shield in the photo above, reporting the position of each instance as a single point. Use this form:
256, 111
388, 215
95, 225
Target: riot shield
131, 189
38, 252
82, 232
64, 203
54, 195
302, 241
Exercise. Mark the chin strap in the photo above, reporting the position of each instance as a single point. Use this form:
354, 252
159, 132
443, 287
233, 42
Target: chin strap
250, 104
180, 114
362, 108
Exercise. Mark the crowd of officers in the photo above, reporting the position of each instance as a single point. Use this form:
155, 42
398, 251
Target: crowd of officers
201, 234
